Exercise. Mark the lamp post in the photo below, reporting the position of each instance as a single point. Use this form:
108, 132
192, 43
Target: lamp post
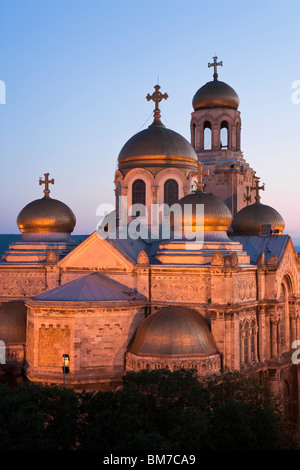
65, 368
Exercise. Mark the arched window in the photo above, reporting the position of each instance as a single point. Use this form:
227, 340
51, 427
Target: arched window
246, 349
170, 192
194, 136
207, 138
138, 194
284, 295
224, 135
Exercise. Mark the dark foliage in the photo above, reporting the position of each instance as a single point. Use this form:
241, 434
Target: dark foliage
155, 411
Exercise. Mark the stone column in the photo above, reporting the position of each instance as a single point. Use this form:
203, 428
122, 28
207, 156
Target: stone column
274, 343
215, 137
199, 137
255, 343
228, 340
242, 348
293, 322
261, 333
232, 137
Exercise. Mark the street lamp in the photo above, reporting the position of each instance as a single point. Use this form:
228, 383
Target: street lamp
65, 368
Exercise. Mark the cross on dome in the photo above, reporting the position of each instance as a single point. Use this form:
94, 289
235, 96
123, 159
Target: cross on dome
247, 197
200, 173
257, 188
157, 97
215, 64
46, 182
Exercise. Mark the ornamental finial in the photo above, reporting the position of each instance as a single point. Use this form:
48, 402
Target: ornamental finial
215, 64
157, 97
46, 182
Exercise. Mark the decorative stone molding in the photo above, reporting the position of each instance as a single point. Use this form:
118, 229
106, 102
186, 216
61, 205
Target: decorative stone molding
234, 261
52, 257
273, 261
143, 258
21, 286
204, 365
217, 259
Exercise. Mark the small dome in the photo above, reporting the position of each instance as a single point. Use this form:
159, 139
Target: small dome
46, 216
173, 331
216, 94
250, 220
217, 216
157, 146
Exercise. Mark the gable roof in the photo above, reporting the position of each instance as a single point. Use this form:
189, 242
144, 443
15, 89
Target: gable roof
254, 245
91, 288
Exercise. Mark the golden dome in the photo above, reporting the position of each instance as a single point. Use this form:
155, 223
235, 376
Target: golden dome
46, 218
46, 215
216, 94
217, 216
250, 220
157, 146
173, 331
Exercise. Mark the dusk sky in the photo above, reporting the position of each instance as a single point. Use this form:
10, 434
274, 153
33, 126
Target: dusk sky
77, 73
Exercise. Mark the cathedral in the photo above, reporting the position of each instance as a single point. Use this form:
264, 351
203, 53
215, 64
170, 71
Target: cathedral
134, 295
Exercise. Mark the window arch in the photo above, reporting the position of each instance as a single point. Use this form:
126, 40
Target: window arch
170, 192
138, 193
207, 136
224, 135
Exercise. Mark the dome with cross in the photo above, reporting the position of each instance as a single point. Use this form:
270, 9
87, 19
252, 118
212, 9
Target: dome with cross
46, 218
157, 145
258, 218
216, 94
217, 216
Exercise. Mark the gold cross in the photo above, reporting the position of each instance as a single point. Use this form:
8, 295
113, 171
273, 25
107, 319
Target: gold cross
157, 97
257, 188
215, 64
200, 173
46, 182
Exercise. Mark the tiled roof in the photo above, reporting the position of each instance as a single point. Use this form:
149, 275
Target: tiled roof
91, 288
254, 245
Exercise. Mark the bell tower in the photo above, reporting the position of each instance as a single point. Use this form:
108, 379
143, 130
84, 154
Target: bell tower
216, 138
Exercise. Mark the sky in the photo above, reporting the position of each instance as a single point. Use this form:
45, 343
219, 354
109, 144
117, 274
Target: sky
76, 74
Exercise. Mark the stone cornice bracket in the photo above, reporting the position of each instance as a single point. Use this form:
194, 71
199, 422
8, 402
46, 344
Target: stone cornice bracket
261, 259
52, 257
217, 259
272, 262
143, 258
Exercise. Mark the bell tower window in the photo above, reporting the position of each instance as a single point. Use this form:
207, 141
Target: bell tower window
138, 194
207, 137
224, 135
